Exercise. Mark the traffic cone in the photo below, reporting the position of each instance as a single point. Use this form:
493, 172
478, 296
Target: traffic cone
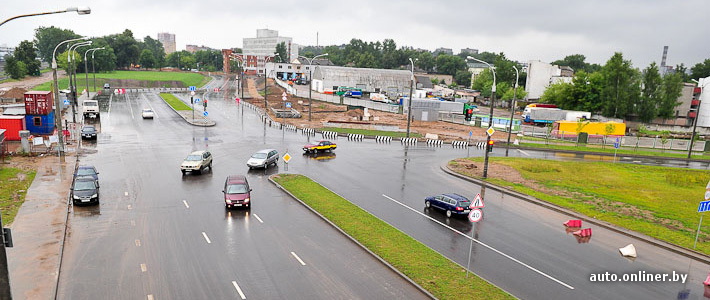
629, 251
573, 223
583, 232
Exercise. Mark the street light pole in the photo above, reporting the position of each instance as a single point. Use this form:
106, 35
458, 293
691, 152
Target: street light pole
86, 69
409, 101
310, 82
695, 121
57, 104
266, 94
85, 10
93, 67
490, 116
512, 110
71, 58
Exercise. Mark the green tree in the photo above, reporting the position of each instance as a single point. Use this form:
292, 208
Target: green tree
682, 70
463, 78
671, 90
577, 63
156, 47
508, 95
665, 134
620, 87
14, 68
147, 60
281, 55
435, 81
125, 47
650, 94
484, 83
426, 61
449, 64
700, 70
488, 57
27, 53
77, 57
104, 59
580, 126
560, 94
47, 38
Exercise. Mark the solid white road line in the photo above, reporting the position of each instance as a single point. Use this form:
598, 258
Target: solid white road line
125, 193
206, 238
185, 202
523, 152
143, 268
298, 258
236, 286
128, 100
150, 297
129, 207
483, 244
257, 217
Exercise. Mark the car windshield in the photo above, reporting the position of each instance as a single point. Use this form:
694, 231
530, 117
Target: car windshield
147, 110
89, 129
84, 185
85, 171
87, 103
259, 155
194, 158
236, 189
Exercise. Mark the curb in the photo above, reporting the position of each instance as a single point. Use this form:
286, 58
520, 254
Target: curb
213, 123
610, 154
421, 289
64, 234
651, 240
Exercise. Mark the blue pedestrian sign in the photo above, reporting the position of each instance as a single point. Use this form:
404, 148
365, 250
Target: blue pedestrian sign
470, 133
288, 104
197, 100
66, 102
204, 114
704, 206
193, 88
616, 145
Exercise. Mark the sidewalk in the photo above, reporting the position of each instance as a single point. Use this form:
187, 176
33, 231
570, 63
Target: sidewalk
38, 231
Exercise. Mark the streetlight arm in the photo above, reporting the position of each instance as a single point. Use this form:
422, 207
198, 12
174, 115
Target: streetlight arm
79, 10
493, 89
54, 53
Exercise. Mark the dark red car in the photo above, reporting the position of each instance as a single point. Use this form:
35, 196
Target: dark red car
237, 192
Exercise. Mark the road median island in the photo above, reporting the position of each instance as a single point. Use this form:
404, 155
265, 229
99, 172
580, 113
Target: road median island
438, 275
185, 111
609, 150
659, 202
370, 133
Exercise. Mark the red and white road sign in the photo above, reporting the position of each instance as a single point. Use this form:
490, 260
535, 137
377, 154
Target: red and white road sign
237, 100
477, 203
475, 215
216, 90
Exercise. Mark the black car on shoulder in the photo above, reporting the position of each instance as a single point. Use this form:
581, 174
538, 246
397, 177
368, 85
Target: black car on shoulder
85, 190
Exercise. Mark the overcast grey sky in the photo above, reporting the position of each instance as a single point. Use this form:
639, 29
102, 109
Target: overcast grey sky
525, 30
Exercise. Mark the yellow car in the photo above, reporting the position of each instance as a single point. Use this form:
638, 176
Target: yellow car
319, 147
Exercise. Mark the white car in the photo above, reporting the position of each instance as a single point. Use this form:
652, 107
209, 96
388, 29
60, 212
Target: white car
263, 159
196, 162
147, 113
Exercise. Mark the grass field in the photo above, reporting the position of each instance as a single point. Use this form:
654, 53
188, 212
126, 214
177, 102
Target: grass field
610, 149
434, 272
173, 101
13, 191
187, 79
657, 201
371, 132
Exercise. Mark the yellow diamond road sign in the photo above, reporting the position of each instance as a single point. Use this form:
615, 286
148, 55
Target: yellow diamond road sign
287, 157
490, 131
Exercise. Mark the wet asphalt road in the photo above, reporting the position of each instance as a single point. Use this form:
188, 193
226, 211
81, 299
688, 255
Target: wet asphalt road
143, 220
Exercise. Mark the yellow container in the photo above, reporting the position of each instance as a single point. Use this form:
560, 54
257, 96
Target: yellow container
595, 128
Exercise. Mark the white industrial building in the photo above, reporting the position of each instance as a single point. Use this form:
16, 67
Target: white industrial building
704, 111
541, 75
264, 45
391, 82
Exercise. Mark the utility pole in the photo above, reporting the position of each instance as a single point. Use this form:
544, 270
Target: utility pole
409, 101
512, 110
490, 116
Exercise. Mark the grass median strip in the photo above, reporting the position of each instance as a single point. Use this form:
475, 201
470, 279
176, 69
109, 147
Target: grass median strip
174, 101
368, 132
431, 270
556, 145
657, 201
187, 79
14, 184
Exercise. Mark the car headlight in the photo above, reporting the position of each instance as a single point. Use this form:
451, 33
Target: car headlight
76, 197
246, 200
229, 201
94, 195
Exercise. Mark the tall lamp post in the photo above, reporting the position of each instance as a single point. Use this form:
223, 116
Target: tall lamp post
512, 110
57, 105
695, 121
93, 67
490, 116
409, 101
85, 10
86, 69
71, 59
240, 63
310, 81
266, 102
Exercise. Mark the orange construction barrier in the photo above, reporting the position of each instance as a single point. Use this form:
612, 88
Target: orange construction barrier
573, 223
583, 232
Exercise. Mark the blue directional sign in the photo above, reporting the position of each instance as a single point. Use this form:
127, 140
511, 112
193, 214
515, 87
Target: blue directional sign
66, 102
704, 206
288, 104
616, 145
197, 100
204, 114
470, 133
193, 88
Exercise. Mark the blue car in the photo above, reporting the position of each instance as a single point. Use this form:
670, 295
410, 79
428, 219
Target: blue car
88, 171
451, 203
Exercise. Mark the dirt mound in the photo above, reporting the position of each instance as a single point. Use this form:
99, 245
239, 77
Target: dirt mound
13, 93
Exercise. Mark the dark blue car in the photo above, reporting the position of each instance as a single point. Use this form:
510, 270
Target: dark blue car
451, 203
89, 171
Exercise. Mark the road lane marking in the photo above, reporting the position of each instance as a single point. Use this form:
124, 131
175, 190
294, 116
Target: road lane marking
257, 217
483, 244
206, 238
143, 268
523, 152
185, 202
129, 207
236, 286
125, 194
128, 100
298, 258
138, 243
150, 297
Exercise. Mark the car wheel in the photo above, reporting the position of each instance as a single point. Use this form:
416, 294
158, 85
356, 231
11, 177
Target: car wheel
448, 213
183, 173
210, 166
428, 204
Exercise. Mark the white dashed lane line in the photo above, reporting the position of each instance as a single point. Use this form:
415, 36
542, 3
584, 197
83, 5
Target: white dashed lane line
259, 219
185, 202
239, 290
298, 258
206, 238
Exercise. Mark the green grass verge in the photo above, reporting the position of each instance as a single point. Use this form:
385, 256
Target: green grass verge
187, 79
434, 272
173, 101
8, 80
657, 201
371, 132
13, 191
610, 149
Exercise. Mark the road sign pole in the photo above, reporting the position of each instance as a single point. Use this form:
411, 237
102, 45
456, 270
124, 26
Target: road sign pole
470, 249
193, 108
468, 143
698, 233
